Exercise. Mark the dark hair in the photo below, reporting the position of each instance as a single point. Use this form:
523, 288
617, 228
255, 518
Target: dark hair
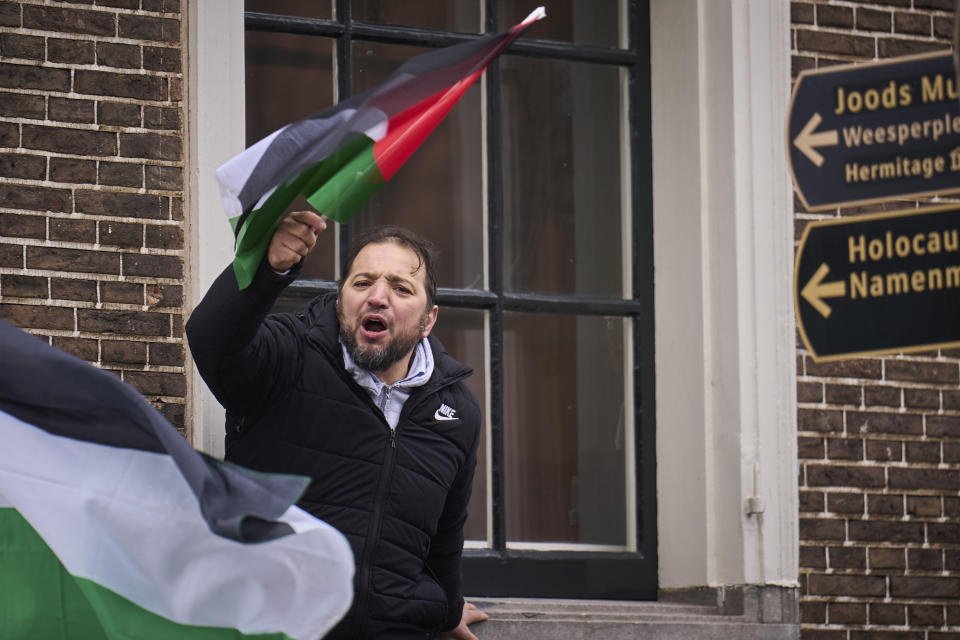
424, 249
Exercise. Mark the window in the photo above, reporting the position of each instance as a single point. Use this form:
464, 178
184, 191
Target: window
536, 190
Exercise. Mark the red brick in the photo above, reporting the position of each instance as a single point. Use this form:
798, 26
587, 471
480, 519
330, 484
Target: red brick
70, 51
148, 28
894, 48
938, 426
825, 42
152, 266
120, 204
70, 289
834, 16
156, 383
21, 196
22, 105
813, 557
98, 23
847, 613
123, 292
885, 504
844, 476
872, 20
23, 226
161, 59
799, 64
924, 587
121, 174
843, 394
69, 110
922, 371
887, 635
165, 236
11, 255
912, 23
173, 412
176, 208
73, 170
923, 452
882, 396
809, 392
69, 230
941, 5
870, 422
847, 557
150, 145
78, 260
845, 368
821, 529
166, 354
813, 612
120, 114
921, 398
948, 479
819, 420
14, 45
9, 134
925, 560
943, 533
845, 503
120, 4
143, 323
124, 56
887, 558
811, 501
61, 140
164, 295
952, 563
85, 348
161, 118
121, 234
924, 506
951, 399
176, 89
951, 452
887, 614
16, 286
17, 76
885, 531
845, 449
888, 450
40, 316
942, 27
843, 585
163, 177
121, 85
123, 352
10, 14
822, 634
810, 448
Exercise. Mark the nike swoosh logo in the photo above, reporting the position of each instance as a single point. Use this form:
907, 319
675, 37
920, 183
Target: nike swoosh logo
439, 416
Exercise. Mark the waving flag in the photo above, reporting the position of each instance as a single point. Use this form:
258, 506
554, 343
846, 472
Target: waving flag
112, 527
339, 157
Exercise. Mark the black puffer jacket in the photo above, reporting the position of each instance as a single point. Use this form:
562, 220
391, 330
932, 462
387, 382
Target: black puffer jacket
400, 497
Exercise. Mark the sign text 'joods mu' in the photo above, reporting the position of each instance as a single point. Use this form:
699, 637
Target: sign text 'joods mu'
873, 132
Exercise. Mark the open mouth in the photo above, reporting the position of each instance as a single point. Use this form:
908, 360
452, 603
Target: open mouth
373, 326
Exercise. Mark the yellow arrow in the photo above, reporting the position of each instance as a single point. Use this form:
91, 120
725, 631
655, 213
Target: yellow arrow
817, 289
806, 140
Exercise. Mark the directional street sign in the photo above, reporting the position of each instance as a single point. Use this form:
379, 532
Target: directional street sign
878, 284
882, 131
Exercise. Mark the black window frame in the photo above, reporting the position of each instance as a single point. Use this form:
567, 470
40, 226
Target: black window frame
500, 571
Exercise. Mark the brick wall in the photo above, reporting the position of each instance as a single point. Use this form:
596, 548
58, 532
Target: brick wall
91, 185
879, 438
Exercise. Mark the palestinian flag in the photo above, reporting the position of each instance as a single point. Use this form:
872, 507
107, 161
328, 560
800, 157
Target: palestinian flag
112, 527
339, 157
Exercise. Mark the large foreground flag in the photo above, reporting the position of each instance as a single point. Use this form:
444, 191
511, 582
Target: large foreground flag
339, 157
112, 527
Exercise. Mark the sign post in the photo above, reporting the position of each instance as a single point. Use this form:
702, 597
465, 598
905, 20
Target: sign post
875, 132
879, 284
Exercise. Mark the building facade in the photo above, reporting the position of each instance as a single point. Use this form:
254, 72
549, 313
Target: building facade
617, 226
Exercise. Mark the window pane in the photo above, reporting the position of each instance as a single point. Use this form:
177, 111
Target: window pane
577, 21
564, 420
439, 191
289, 77
562, 177
462, 333
446, 15
322, 9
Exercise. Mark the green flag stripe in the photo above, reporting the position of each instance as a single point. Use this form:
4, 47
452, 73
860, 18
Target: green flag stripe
342, 194
40, 599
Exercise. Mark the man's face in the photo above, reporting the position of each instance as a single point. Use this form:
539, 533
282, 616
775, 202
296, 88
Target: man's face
383, 308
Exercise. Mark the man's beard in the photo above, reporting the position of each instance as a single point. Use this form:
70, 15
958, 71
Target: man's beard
379, 358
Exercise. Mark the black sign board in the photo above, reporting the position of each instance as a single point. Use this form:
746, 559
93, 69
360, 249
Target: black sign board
879, 284
873, 132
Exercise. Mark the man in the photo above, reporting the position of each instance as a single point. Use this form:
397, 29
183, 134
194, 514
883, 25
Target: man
356, 394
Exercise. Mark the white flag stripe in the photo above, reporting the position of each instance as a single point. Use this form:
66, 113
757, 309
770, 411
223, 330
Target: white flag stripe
127, 520
233, 174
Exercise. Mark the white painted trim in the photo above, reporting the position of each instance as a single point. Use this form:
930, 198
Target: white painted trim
216, 132
726, 428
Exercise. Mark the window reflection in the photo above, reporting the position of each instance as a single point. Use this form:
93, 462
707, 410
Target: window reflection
595, 22
562, 177
448, 15
322, 9
564, 420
